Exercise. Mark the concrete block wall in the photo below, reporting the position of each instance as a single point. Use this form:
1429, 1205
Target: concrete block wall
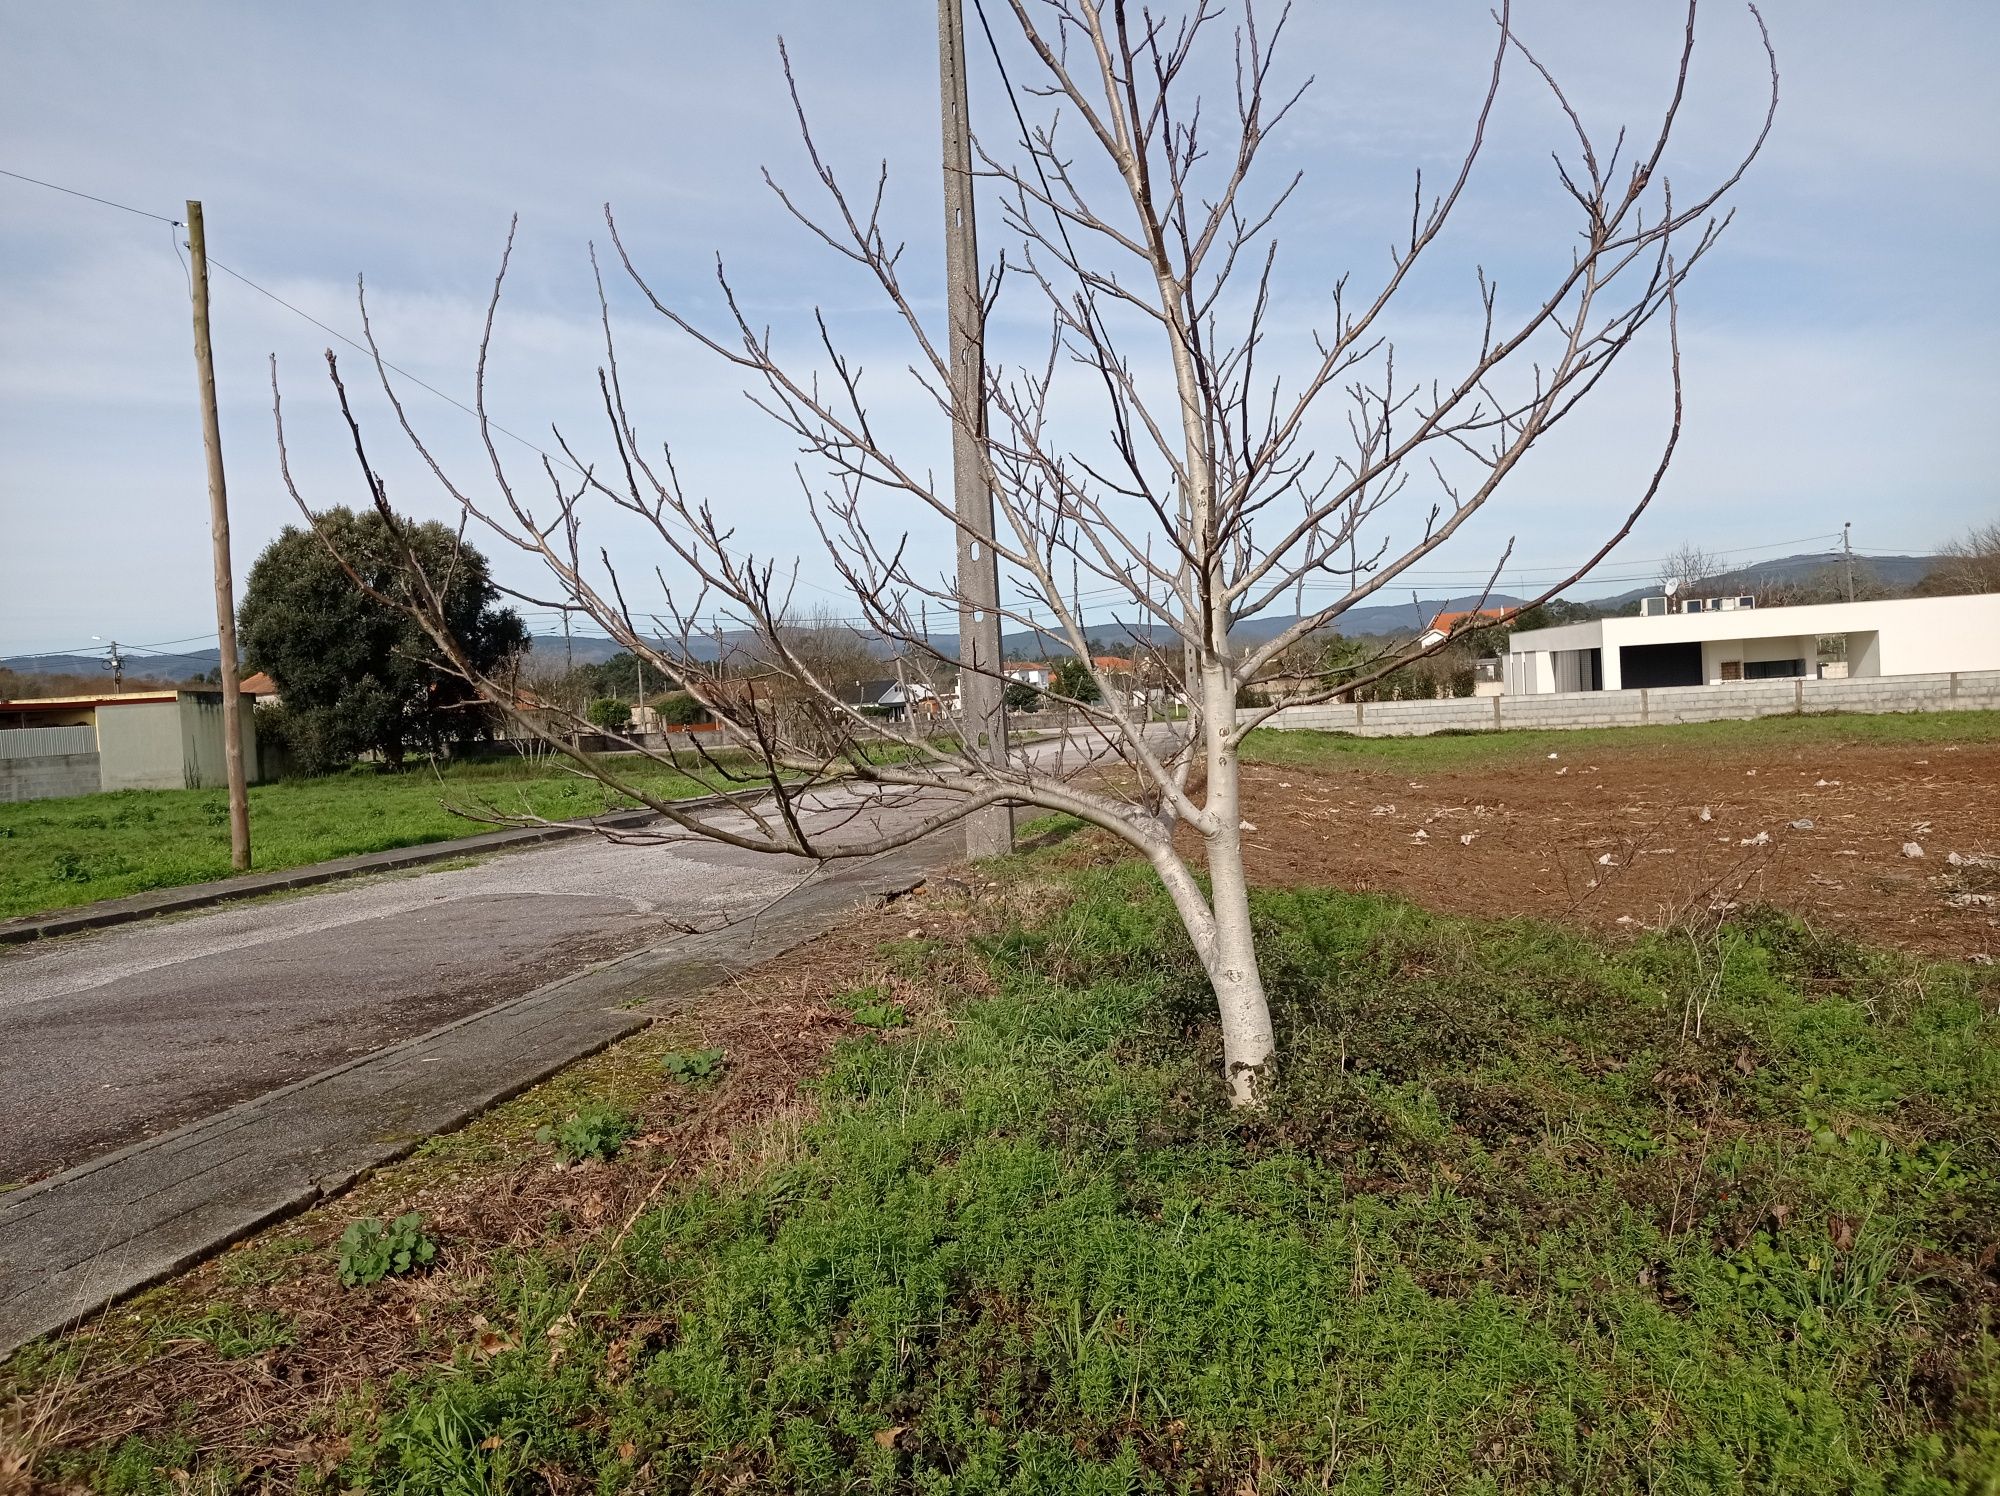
48, 776
1965, 690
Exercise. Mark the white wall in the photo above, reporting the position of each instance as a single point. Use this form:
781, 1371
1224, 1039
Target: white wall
1658, 706
169, 745
139, 743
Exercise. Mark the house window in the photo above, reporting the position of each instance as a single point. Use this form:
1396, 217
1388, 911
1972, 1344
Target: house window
1773, 669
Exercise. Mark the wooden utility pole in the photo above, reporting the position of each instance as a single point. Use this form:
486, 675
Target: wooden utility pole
218, 529
982, 700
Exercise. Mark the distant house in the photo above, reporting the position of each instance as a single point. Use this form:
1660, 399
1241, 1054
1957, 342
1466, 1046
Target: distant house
260, 686
1029, 673
893, 698
1445, 622
142, 740
1714, 641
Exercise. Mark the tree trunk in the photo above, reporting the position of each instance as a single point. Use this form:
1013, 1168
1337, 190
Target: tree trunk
1249, 1049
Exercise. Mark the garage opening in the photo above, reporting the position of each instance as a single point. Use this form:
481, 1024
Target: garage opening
1641, 665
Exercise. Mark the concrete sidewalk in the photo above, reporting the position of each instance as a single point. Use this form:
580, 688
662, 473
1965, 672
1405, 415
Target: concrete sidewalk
107, 912
74, 1243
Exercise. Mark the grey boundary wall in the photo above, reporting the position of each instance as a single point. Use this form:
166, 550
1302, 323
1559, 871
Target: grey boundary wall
46, 776
1964, 690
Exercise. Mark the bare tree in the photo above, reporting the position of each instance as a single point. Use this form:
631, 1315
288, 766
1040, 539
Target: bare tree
1966, 563
1213, 491
1687, 566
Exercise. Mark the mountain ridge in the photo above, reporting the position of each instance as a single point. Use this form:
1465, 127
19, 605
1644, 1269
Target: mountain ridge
1377, 620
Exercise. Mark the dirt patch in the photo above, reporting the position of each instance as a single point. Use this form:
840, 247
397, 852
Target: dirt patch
1617, 836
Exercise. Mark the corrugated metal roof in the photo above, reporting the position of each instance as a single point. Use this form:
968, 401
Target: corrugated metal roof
43, 703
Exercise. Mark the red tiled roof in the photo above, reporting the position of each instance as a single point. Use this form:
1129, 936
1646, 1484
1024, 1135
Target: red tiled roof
1444, 623
259, 684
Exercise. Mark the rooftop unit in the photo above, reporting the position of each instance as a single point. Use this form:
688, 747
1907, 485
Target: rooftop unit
1660, 607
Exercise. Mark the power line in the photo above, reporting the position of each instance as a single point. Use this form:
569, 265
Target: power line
1435, 577
90, 196
334, 332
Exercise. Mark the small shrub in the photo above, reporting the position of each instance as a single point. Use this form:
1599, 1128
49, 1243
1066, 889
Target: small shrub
371, 1251
878, 1012
693, 1067
679, 709
595, 1132
69, 868
609, 713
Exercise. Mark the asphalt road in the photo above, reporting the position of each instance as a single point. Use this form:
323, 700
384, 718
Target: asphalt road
110, 1037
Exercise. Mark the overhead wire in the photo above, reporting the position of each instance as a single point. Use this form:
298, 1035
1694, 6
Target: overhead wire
335, 332
90, 196
1432, 576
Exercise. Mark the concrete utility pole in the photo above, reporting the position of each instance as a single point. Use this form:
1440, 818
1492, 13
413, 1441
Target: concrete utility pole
218, 529
1847, 544
982, 699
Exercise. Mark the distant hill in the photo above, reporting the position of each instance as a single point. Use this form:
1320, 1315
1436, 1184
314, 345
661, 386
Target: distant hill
552, 649
167, 667
1897, 573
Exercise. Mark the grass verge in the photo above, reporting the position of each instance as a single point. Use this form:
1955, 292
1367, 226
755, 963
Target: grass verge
1713, 1210
1446, 750
55, 854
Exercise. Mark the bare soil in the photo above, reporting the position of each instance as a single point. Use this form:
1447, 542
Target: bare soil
1615, 837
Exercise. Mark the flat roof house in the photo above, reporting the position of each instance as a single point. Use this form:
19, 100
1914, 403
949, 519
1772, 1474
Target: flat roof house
1719, 640
143, 740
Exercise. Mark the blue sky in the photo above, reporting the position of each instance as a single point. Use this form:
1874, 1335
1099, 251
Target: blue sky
1839, 345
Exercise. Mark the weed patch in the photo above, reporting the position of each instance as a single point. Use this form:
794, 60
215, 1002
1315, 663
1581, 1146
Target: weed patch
595, 1133
693, 1067
370, 1251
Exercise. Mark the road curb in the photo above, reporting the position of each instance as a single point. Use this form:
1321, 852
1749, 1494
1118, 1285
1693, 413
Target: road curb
147, 905
119, 1223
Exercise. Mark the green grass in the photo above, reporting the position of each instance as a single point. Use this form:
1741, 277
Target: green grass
1470, 749
59, 853
1503, 1229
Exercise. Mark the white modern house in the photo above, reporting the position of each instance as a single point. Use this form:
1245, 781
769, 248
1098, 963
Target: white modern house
1716, 640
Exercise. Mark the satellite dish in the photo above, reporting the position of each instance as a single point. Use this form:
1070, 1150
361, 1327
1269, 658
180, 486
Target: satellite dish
1673, 585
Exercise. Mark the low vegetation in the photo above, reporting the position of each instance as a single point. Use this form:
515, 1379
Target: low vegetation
58, 853
594, 1134
1712, 1209
371, 1251
694, 1067
1450, 749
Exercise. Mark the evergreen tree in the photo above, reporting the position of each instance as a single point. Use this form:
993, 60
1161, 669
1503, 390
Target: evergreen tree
357, 674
